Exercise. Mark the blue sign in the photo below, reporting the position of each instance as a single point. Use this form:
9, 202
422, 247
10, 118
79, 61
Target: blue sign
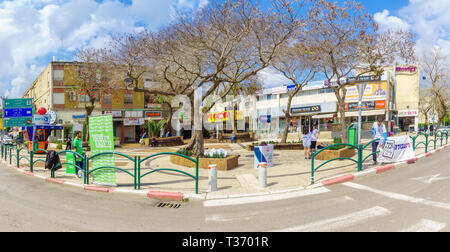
18, 112
291, 88
265, 119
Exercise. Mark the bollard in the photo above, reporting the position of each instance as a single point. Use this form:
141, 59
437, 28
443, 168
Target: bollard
262, 174
212, 182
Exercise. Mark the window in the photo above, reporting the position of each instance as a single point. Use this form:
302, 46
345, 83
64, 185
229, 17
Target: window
58, 75
128, 99
58, 98
107, 100
84, 98
72, 96
326, 91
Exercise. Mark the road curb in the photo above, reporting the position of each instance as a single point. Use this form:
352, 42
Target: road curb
178, 196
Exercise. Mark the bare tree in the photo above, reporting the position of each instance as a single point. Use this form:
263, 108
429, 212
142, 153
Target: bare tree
425, 103
349, 40
436, 68
93, 78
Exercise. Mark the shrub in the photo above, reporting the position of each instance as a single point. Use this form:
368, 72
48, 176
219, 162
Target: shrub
185, 152
59, 146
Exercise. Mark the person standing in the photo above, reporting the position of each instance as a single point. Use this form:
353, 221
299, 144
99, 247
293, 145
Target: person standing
306, 137
314, 135
378, 132
78, 145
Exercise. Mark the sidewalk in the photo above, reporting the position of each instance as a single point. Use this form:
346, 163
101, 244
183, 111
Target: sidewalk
291, 170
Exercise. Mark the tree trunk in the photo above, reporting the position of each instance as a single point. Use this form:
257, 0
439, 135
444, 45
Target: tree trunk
287, 113
89, 110
341, 103
196, 143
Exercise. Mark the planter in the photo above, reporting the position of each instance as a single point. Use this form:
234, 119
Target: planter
332, 154
223, 164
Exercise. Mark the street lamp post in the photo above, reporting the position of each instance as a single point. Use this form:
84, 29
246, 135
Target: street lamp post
361, 89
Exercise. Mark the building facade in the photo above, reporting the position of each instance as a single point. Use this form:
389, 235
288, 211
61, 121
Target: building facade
54, 90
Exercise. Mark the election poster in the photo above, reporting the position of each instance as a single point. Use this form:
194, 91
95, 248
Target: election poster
263, 154
101, 139
396, 149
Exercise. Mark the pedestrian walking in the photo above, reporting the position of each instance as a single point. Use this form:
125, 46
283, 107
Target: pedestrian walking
69, 143
314, 135
378, 132
78, 145
306, 137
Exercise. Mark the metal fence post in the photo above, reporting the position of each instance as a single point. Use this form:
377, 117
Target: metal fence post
17, 158
312, 168
31, 161
360, 154
139, 173
135, 172
196, 176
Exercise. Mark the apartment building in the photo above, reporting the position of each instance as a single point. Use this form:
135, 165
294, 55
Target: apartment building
53, 89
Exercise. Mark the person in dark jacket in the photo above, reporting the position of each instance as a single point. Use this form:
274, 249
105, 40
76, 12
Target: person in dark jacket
52, 161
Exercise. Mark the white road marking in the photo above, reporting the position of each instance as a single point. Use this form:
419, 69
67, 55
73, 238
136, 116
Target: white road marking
426, 226
263, 198
334, 224
430, 179
225, 218
398, 196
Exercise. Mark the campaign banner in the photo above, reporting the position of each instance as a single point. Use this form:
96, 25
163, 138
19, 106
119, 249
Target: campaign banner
263, 154
70, 162
396, 149
101, 139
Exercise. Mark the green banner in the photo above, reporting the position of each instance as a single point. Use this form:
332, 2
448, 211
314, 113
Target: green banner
70, 159
101, 139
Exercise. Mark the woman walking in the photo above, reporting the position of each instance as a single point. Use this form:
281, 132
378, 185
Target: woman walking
306, 137
314, 134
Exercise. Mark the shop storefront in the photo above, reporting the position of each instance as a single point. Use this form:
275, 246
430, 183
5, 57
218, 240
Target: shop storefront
132, 123
408, 120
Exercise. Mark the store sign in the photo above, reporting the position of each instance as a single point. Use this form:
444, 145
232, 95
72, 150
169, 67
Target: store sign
291, 88
41, 119
409, 69
265, 119
224, 116
153, 114
307, 109
408, 113
78, 117
134, 114
367, 105
114, 113
365, 78
133, 121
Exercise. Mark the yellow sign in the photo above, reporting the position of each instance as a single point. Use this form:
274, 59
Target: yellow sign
223, 116
1, 123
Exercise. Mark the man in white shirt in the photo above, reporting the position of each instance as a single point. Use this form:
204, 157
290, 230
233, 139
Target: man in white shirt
378, 132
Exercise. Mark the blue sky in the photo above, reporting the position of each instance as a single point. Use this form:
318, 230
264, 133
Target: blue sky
33, 31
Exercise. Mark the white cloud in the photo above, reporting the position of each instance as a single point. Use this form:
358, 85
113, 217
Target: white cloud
270, 77
33, 31
429, 20
385, 21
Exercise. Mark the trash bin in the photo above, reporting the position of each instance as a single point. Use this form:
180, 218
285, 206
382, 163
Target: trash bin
352, 134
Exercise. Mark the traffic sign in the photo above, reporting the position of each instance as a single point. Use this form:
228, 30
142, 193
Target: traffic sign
19, 122
18, 112
18, 103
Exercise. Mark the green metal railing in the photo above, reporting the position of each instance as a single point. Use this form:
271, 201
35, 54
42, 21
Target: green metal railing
439, 136
9, 152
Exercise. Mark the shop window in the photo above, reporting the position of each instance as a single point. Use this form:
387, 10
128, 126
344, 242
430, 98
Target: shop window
72, 96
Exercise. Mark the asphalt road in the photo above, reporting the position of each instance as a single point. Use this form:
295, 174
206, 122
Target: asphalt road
412, 198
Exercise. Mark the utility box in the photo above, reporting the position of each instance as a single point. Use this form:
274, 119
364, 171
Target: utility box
352, 134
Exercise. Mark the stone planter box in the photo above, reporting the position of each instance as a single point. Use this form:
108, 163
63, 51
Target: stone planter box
223, 164
332, 154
